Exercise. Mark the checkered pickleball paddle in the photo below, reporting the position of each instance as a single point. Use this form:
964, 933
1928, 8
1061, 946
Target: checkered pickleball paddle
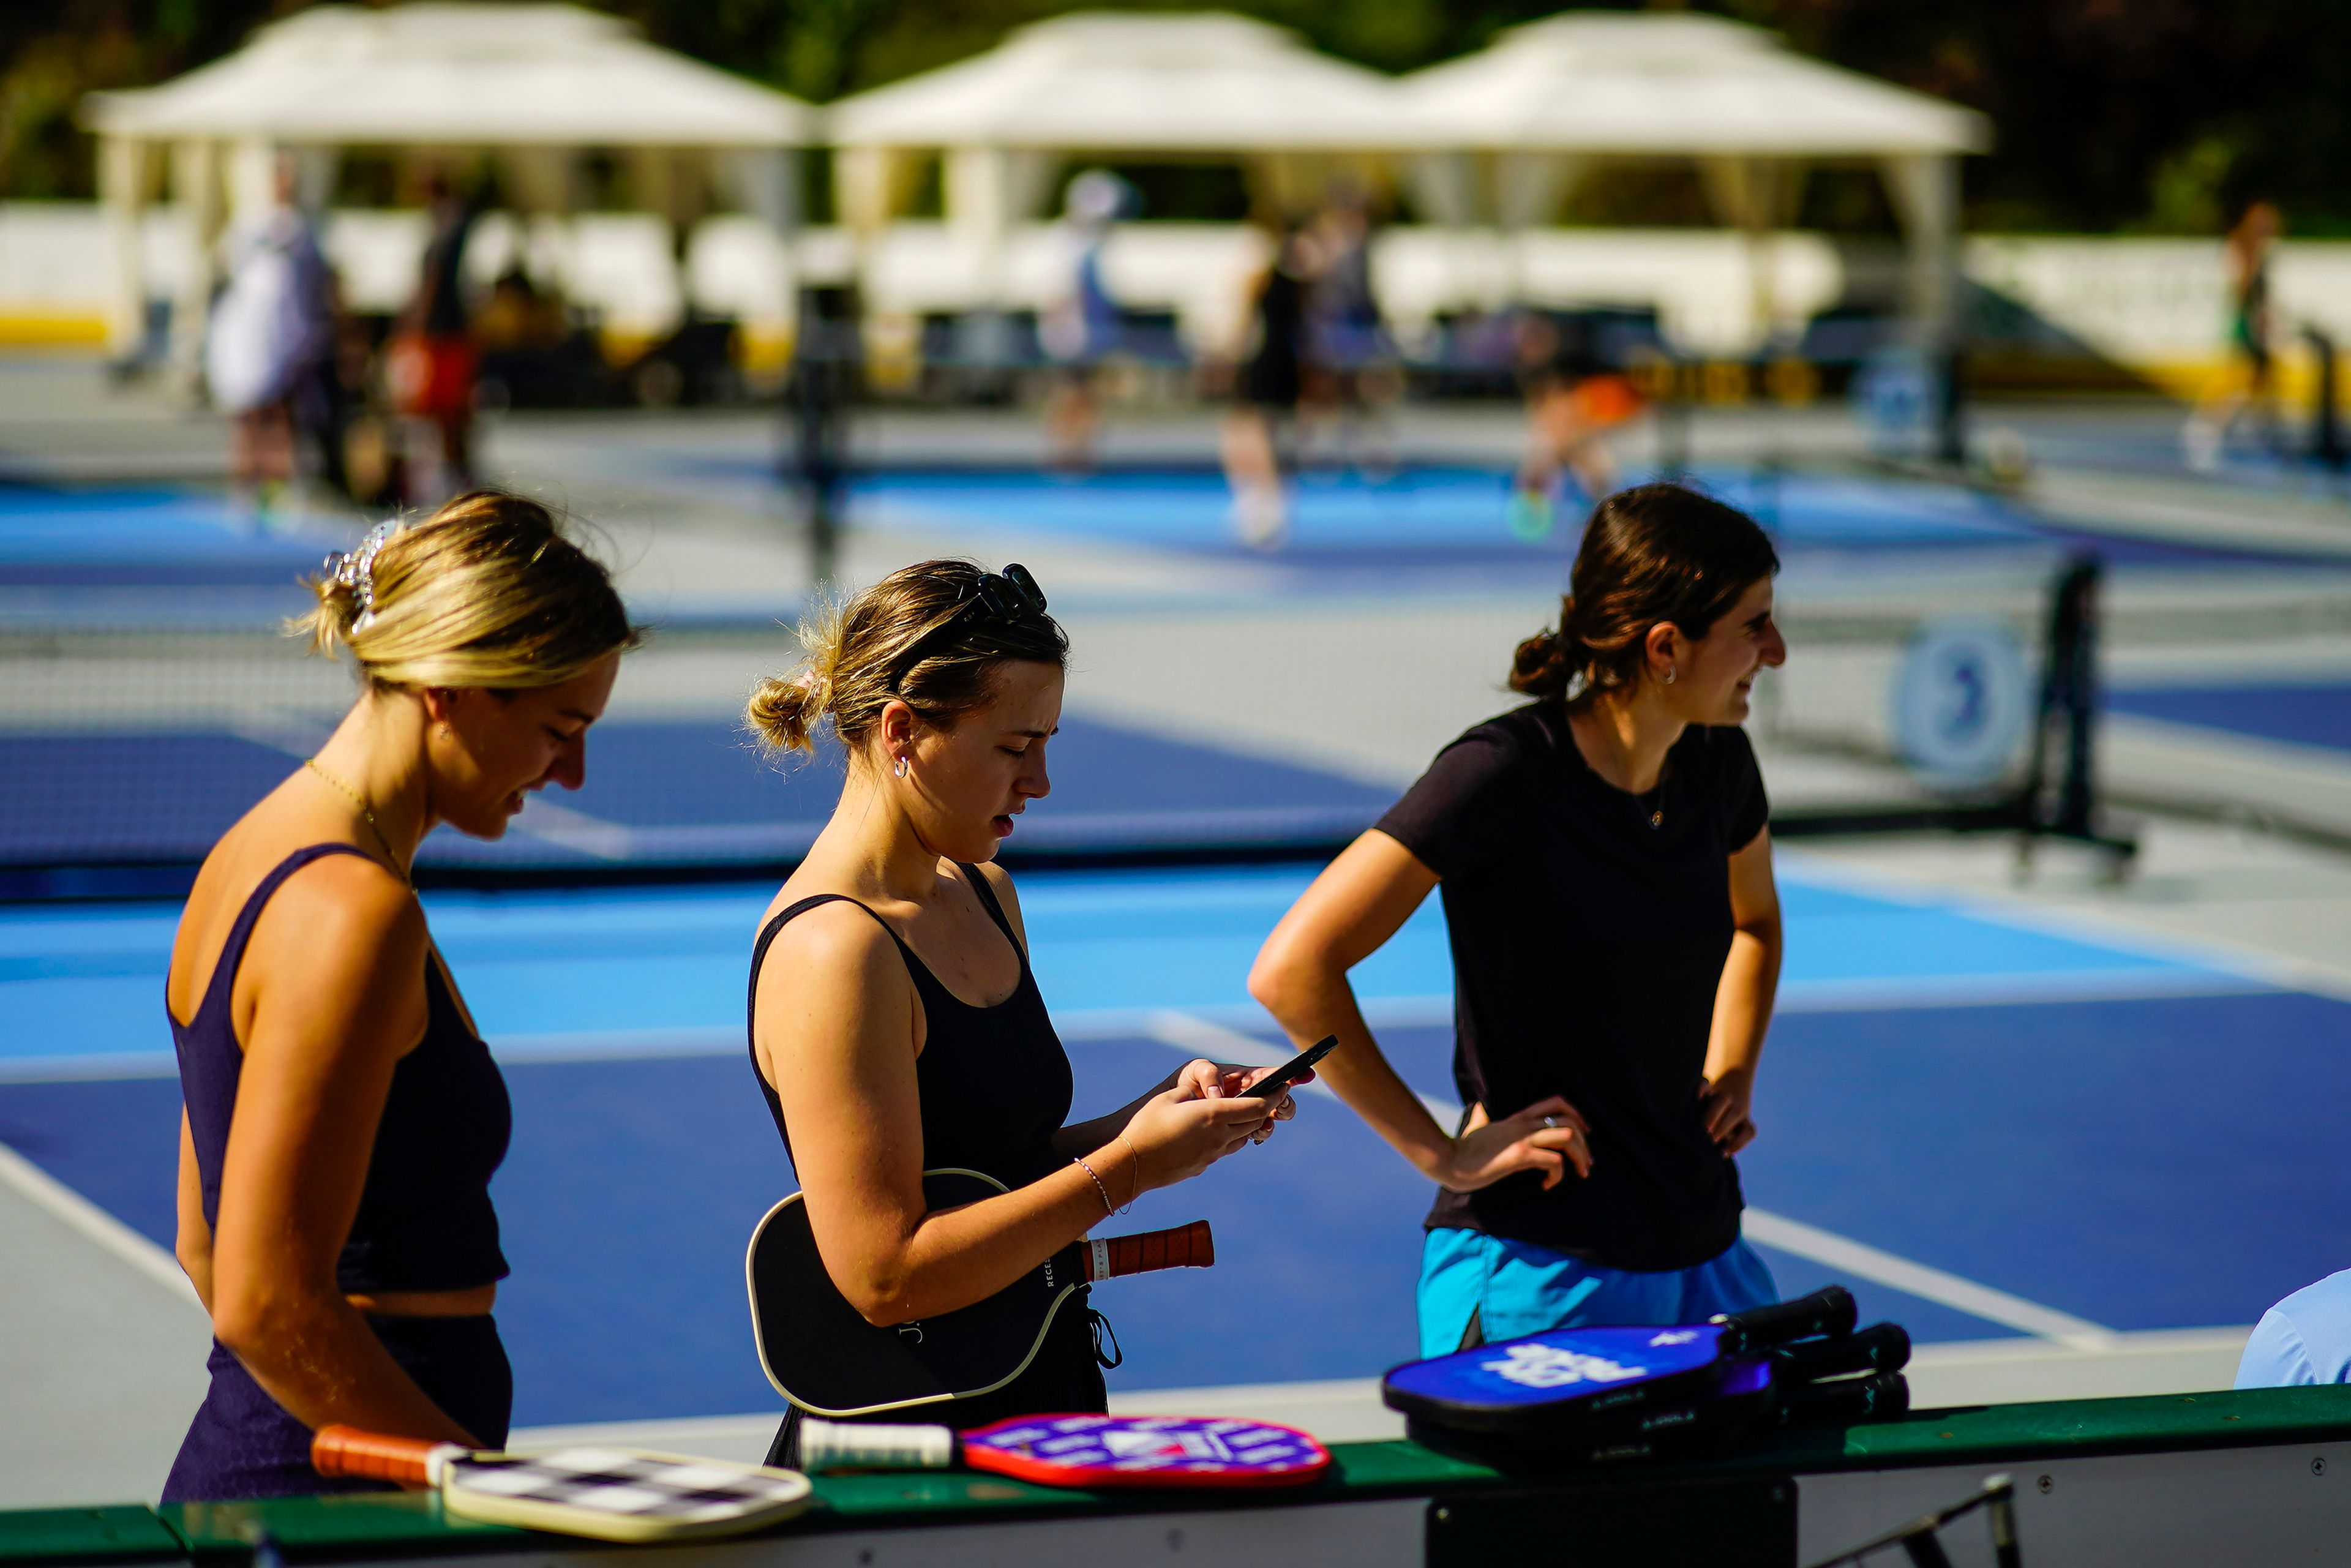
624, 1484
611, 1494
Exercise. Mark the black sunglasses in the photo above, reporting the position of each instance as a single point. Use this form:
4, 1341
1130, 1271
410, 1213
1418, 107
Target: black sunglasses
1008, 595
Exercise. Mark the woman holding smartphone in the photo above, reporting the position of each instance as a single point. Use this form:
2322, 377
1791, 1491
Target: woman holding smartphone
1606, 874
896, 1024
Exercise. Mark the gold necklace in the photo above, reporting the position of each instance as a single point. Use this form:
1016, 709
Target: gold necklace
373, 826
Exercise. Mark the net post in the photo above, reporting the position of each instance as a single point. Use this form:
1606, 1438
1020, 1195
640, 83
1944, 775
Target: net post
825, 372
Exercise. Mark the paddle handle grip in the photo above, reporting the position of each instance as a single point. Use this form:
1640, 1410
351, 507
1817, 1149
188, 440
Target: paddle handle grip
1884, 1398
1185, 1247
1827, 1310
840, 1446
1881, 1348
348, 1451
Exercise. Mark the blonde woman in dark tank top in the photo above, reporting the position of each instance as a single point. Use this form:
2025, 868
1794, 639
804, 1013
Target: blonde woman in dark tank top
342, 1116
896, 1026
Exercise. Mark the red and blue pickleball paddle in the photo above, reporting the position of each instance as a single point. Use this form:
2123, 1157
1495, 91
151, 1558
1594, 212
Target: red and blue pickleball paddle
1080, 1450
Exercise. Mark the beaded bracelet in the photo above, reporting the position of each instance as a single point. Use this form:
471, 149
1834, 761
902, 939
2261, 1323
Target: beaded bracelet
1108, 1207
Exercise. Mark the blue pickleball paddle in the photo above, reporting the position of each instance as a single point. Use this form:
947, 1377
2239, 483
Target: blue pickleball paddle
1567, 1379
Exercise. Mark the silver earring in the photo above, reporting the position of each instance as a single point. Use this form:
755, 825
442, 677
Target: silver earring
901, 769
1669, 676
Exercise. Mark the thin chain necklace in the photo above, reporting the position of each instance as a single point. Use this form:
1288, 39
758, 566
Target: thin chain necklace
1652, 804
373, 826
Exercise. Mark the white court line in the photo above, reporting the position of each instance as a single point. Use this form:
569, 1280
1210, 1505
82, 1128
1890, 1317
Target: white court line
1929, 1284
46, 1192
2210, 952
1199, 1037
1896, 993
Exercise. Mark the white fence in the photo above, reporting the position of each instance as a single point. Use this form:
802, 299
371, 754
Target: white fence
2156, 306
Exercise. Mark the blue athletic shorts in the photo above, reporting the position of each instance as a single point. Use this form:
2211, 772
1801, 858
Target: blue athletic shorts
1517, 1288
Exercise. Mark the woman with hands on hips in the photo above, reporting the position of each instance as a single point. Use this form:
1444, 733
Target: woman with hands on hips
1606, 874
896, 1024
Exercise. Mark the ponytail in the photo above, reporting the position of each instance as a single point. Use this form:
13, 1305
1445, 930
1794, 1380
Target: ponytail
1546, 661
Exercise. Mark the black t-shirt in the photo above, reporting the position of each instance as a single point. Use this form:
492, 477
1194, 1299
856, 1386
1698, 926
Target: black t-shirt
1587, 947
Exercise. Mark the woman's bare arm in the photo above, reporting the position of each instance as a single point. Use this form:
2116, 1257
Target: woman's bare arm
193, 1246
836, 1039
1742, 1000
336, 978
1360, 900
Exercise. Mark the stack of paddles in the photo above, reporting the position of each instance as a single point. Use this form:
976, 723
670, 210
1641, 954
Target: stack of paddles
1577, 1396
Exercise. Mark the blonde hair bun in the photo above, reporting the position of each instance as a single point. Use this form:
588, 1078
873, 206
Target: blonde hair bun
886, 644
486, 591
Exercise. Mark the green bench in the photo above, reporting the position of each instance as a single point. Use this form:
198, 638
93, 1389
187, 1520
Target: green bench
2255, 1476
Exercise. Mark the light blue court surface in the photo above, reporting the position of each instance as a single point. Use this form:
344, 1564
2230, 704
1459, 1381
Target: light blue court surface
624, 970
104, 536
1340, 514
1447, 525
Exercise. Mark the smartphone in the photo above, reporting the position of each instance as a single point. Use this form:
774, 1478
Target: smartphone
1290, 1071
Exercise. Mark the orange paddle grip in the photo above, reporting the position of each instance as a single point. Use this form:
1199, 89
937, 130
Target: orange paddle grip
348, 1451
1185, 1247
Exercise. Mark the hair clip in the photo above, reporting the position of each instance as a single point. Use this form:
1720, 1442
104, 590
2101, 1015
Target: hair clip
355, 570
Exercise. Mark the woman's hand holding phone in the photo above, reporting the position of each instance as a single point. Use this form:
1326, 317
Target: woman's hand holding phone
1236, 1084
1185, 1128
1273, 1084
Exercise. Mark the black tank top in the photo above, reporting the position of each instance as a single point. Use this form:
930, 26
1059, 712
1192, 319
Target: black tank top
994, 1083
994, 1087
425, 1219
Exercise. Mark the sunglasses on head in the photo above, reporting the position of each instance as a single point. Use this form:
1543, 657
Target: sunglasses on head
1007, 596
1010, 594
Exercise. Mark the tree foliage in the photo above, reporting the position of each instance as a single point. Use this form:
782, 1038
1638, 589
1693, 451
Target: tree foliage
2149, 115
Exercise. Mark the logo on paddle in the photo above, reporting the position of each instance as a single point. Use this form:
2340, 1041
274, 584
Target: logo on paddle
1176, 1445
1549, 1366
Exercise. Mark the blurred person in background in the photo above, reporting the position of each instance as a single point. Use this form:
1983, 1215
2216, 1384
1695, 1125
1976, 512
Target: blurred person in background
270, 341
1267, 388
1082, 324
2249, 386
432, 361
1573, 399
1350, 365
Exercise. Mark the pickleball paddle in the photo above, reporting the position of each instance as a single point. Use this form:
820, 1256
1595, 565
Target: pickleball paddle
1563, 1379
608, 1494
823, 1355
1081, 1450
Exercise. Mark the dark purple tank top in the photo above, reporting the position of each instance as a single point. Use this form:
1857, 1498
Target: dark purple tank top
425, 1219
994, 1083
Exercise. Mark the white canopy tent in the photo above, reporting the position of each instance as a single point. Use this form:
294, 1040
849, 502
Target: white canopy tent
1207, 85
1511, 129
534, 84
